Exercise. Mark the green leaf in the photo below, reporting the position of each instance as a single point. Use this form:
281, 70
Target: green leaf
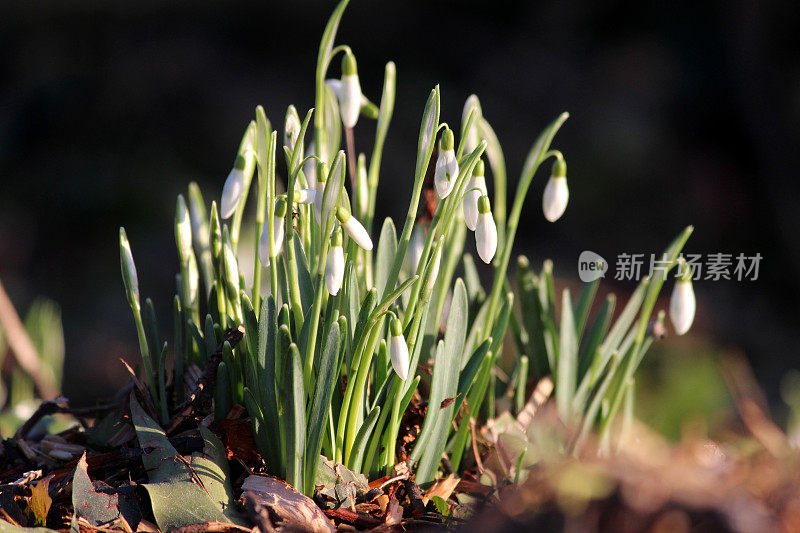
436, 427
470, 370
294, 398
473, 280
96, 507
567, 359
181, 503
352, 300
303, 275
360, 442
387, 248
427, 132
267, 344
320, 405
222, 392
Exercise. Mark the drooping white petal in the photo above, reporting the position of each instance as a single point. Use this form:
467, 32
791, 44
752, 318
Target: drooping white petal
358, 233
475, 188
263, 242
398, 351
335, 86
555, 198
231, 192
472, 140
682, 306
305, 196
350, 100
446, 172
486, 237
334, 270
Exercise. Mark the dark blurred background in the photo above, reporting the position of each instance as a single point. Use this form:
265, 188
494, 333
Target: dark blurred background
685, 113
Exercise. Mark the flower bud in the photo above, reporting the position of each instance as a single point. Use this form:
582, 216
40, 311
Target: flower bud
556, 192
183, 229
475, 189
129, 277
436, 263
305, 196
334, 267
398, 349
415, 247
322, 178
472, 139
354, 229
485, 231
243, 167
446, 172
350, 91
278, 224
291, 128
193, 279
361, 182
682, 304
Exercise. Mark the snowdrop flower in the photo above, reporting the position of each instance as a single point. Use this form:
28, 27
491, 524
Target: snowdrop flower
415, 247
243, 167
334, 267
291, 129
485, 231
305, 196
129, 276
556, 193
475, 189
446, 172
183, 229
682, 304
350, 91
354, 229
278, 223
398, 349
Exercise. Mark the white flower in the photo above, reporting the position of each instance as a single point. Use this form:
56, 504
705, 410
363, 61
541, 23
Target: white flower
278, 224
475, 189
682, 305
334, 267
305, 196
354, 229
336, 86
485, 231
350, 92
556, 192
415, 247
183, 229
444, 178
243, 167
398, 349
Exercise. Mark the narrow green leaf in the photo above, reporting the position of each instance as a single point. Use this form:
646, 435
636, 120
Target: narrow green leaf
267, 345
303, 275
567, 359
360, 442
387, 248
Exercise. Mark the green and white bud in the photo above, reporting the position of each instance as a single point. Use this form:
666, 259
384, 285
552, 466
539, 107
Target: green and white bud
350, 91
682, 304
415, 247
475, 189
473, 138
278, 224
354, 229
485, 231
183, 229
129, 277
193, 278
398, 349
556, 192
444, 177
436, 263
334, 266
291, 128
305, 196
243, 167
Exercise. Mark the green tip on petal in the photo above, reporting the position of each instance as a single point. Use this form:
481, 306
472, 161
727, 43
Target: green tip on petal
239, 163
483, 205
342, 214
448, 141
280, 207
322, 172
479, 169
349, 64
338, 238
397, 327
559, 168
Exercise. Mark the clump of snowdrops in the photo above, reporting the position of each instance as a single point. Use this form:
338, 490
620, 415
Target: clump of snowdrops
338, 326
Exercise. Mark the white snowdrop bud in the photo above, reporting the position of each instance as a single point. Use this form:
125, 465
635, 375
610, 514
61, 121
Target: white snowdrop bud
129, 276
193, 279
278, 224
243, 167
291, 128
183, 229
473, 138
475, 189
682, 304
354, 229
434, 275
444, 177
556, 192
415, 247
350, 91
485, 231
398, 349
334, 267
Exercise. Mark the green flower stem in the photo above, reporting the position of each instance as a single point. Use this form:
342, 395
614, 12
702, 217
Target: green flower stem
539, 154
147, 362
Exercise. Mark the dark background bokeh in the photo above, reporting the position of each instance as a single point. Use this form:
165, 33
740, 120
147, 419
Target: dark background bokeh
682, 113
